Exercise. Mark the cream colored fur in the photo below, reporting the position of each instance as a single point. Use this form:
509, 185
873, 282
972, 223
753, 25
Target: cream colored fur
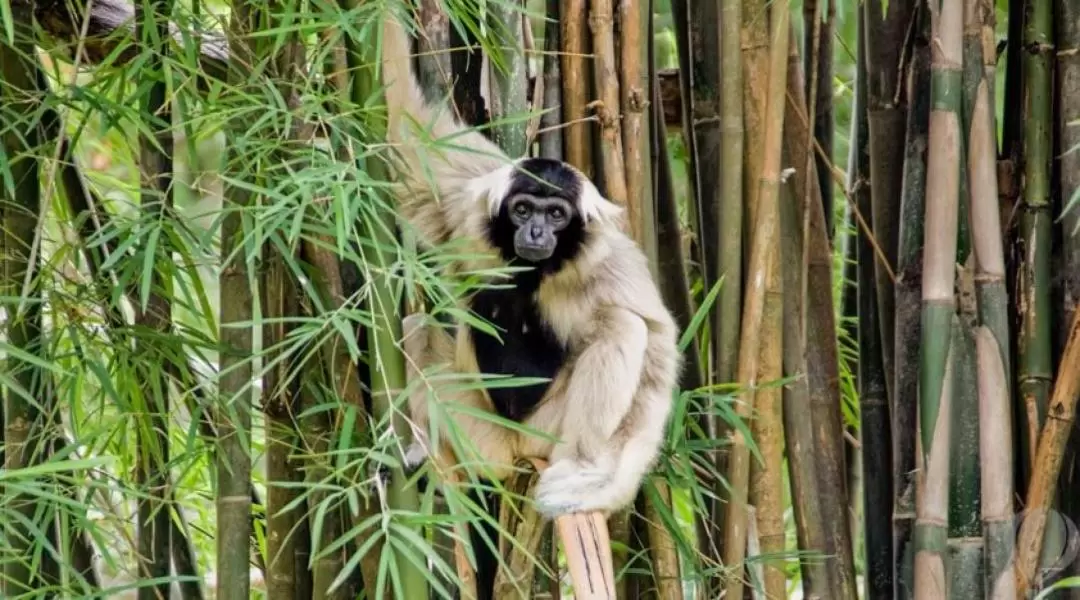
608, 408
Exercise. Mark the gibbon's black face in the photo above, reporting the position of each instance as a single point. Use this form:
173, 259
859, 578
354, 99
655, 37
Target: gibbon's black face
539, 221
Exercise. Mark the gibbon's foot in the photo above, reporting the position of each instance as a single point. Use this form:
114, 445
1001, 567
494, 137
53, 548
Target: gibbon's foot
568, 487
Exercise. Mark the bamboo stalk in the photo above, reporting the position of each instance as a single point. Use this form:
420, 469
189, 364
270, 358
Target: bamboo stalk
908, 329
729, 233
20, 212
1067, 19
820, 20
965, 544
526, 528
996, 451
551, 134
937, 353
874, 424
887, 28
601, 22
510, 84
822, 367
1052, 442
280, 409
575, 85
433, 69
1035, 366
156, 200
992, 338
798, 430
634, 38
762, 261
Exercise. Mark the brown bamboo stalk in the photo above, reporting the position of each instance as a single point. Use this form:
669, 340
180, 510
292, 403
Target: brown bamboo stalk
1048, 458
634, 89
575, 71
526, 528
798, 430
766, 476
602, 22
822, 366
763, 262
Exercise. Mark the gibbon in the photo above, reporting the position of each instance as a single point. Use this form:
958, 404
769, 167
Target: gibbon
586, 314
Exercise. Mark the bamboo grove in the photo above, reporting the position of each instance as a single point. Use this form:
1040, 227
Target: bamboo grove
864, 214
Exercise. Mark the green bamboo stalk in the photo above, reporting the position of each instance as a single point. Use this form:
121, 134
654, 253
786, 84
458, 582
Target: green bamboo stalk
156, 167
936, 350
386, 361
966, 574
1035, 367
509, 83
908, 329
965, 545
551, 134
20, 210
874, 424
992, 337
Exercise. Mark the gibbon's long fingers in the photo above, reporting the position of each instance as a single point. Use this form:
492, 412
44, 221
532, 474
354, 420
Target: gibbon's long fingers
601, 389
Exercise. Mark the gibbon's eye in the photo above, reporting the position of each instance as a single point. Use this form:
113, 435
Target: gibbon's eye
557, 213
521, 209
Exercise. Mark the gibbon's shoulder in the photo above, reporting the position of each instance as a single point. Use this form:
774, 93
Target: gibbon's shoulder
614, 271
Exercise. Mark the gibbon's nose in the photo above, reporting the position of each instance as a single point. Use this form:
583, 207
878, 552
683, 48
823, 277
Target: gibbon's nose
536, 232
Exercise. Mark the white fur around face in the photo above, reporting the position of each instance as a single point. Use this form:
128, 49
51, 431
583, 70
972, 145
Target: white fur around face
492, 188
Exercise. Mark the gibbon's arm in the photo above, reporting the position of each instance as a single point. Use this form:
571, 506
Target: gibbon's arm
447, 173
605, 378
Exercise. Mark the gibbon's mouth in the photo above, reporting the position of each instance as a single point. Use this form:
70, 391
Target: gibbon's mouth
534, 253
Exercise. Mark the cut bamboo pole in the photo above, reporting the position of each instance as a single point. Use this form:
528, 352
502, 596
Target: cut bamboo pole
1047, 467
938, 308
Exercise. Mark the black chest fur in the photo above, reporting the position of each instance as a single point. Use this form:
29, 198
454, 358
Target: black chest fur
528, 348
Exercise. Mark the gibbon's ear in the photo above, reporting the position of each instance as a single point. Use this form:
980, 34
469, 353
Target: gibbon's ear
491, 188
594, 206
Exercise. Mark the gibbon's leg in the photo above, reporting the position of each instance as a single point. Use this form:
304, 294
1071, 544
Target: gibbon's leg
593, 467
482, 440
